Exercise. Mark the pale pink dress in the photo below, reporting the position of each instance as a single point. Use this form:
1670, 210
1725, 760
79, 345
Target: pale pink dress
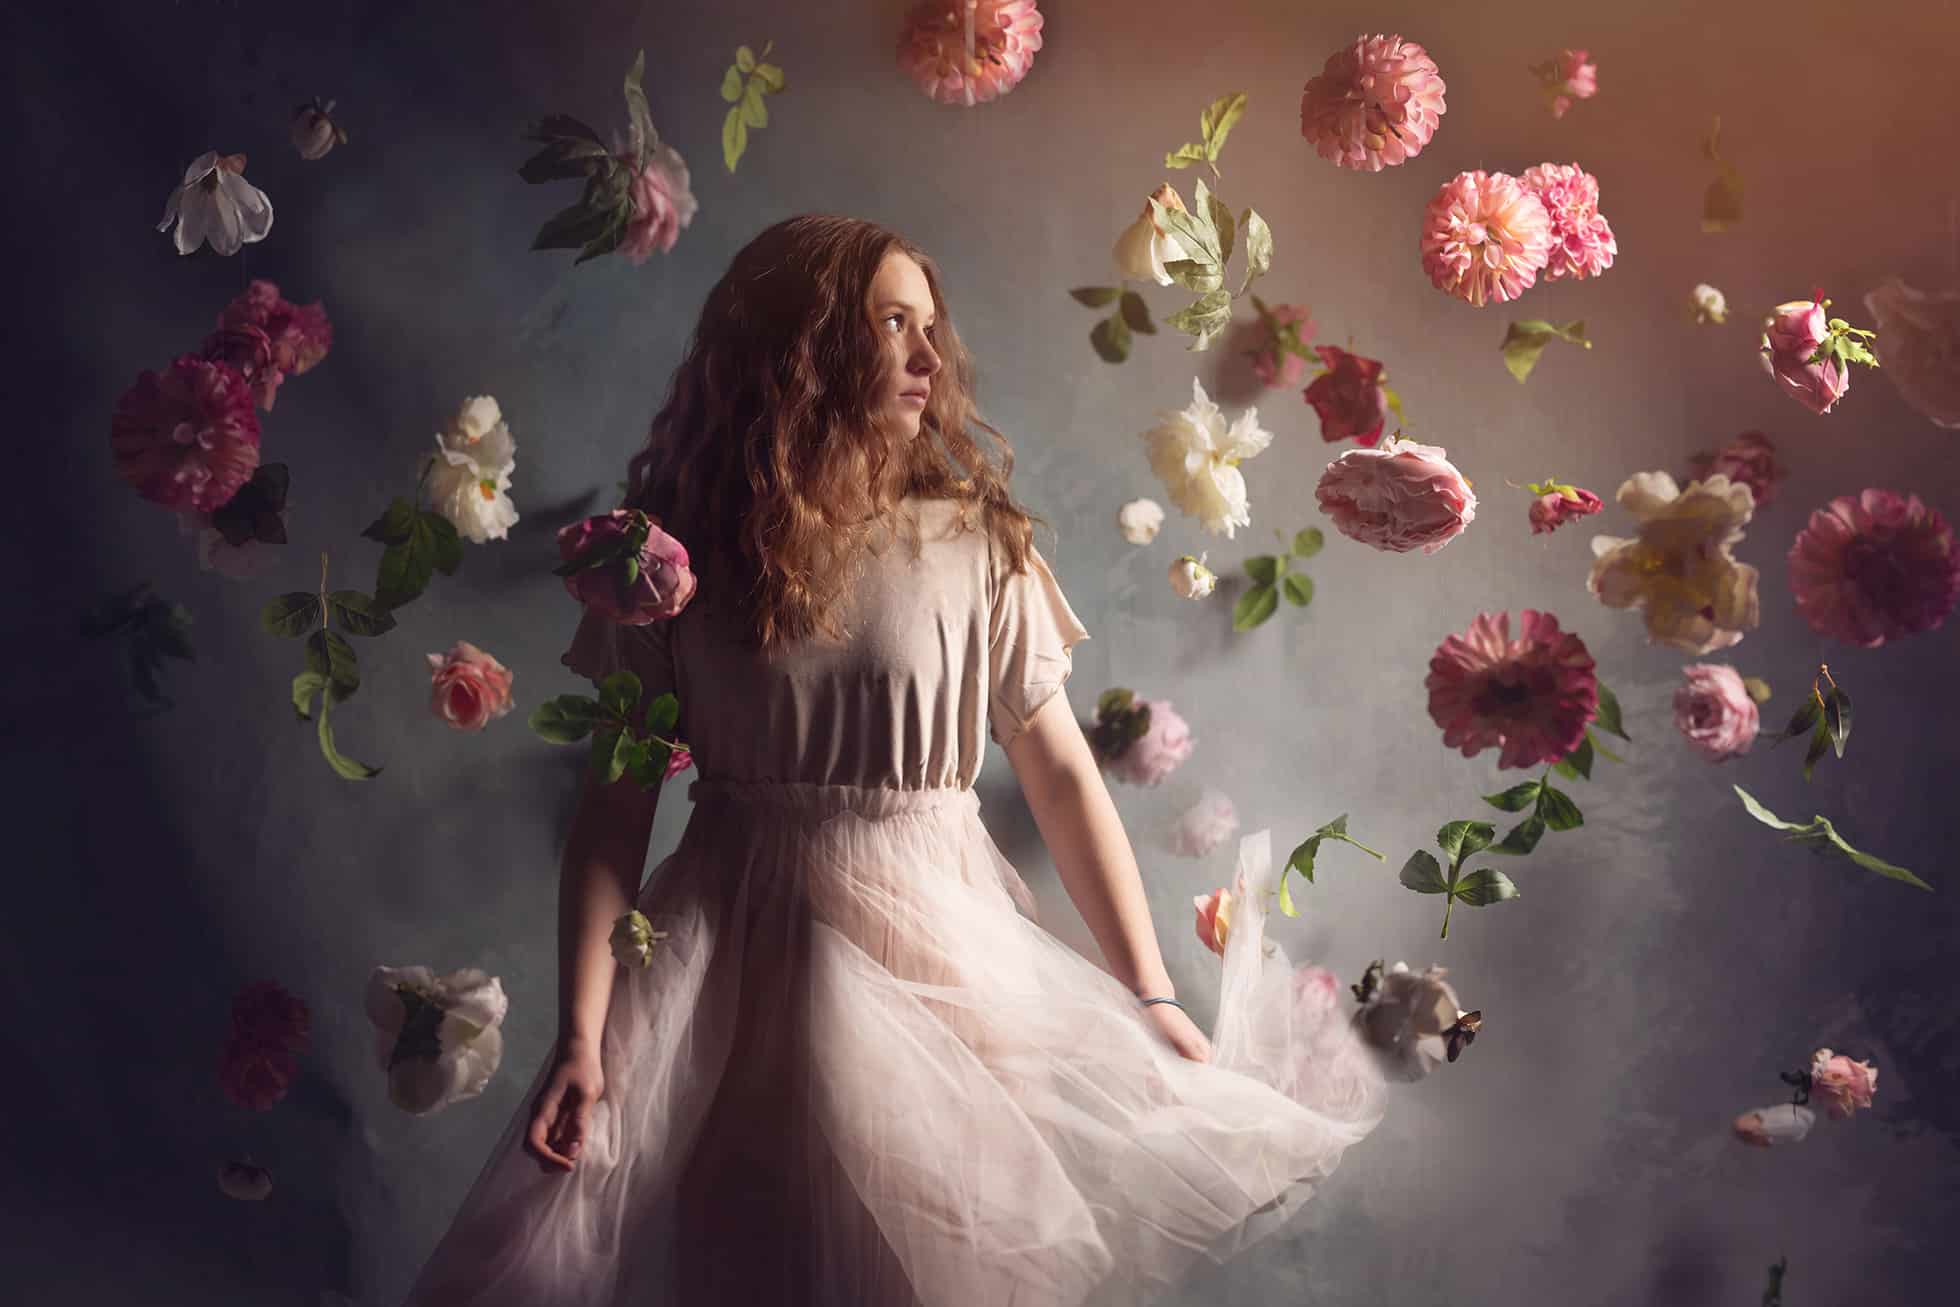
857, 1071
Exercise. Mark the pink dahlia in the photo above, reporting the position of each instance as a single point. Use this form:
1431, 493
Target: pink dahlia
1531, 696
1582, 243
1375, 103
1566, 80
1485, 237
1349, 396
1873, 568
269, 338
1283, 331
1748, 460
969, 51
187, 437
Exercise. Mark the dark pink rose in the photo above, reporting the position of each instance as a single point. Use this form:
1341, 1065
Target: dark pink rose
1551, 511
1349, 397
664, 583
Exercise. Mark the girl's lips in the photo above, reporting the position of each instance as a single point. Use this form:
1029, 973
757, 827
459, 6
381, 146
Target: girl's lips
913, 397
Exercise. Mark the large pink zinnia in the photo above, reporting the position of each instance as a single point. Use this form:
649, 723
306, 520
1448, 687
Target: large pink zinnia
1531, 696
969, 51
1375, 103
1873, 568
1485, 237
187, 437
1582, 242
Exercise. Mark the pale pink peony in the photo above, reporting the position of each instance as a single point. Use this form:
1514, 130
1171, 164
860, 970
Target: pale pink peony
1566, 80
1532, 696
1205, 825
1159, 751
1350, 397
1782, 1123
1399, 497
1840, 1084
1554, 509
1272, 361
269, 338
665, 583
1485, 237
467, 687
1376, 103
1921, 330
1875, 567
1748, 460
1714, 711
187, 437
663, 203
933, 47
1582, 242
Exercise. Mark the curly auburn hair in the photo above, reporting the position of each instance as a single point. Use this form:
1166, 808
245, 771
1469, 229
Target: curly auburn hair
767, 459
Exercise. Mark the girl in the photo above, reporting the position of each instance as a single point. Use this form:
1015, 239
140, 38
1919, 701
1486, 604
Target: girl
858, 1071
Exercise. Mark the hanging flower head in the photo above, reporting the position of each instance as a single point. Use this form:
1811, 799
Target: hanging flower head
1810, 355
1715, 712
1398, 497
969, 51
1875, 567
1780, 1123
1566, 79
1144, 247
1558, 503
1205, 825
438, 1038
1485, 238
1922, 347
1707, 304
215, 203
268, 338
1140, 520
662, 201
1530, 697
622, 565
468, 689
1841, 1084
1279, 357
1190, 578
1214, 919
1582, 242
268, 1027
1350, 396
469, 474
1140, 741
1680, 569
1411, 1020
186, 437
1376, 103
314, 131
1196, 455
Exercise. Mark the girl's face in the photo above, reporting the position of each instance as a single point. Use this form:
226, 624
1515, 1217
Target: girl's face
901, 310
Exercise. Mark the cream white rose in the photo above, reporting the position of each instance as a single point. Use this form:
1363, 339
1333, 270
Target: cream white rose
1191, 579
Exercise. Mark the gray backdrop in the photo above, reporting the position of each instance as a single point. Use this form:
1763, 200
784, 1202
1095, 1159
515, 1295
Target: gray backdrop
1665, 962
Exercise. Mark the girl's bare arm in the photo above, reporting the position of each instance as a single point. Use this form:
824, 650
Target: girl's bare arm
598, 880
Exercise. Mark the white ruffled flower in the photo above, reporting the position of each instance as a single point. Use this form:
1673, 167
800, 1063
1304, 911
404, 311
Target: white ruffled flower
1191, 579
437, 1037
474, 501
1144, 248
1197, 458
633, 938
1709, 304
1680, 570
242, 562
1204, 826
215, 203
1140, 520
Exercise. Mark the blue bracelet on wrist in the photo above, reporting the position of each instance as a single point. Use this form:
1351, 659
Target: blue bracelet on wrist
1173, 1002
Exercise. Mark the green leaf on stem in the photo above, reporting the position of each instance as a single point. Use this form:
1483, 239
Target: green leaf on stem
1522, 838
1485, 886
1258, 248
662, 713
1298, 588
1516, 799
291, 614
1422, 874
305, 686
567, 718
1559, 811
1136, 313
1307, 542
358, 614
346, 768
1837, 718
1095, 297
1254, 607
1820, 834
1460, 839
1263, 569
1609, 714
1111, 339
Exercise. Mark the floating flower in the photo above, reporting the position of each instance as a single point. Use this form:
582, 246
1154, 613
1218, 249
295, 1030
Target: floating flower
215, 203
968, 51
678, 761
1582, 241
1407, 1019
1214, 920
1680, 569
633, 938
1205, 825
269, 338
622, 565
1398, 497
1144, 248
1748, 460
1922, 347
269, 1026
437, 1037
662, 203
187, 437
1567, 79
1278, 357
1485, 237
1375, 103
468, 688
1715, 712
1810, 355
1875, 567
1140, 520
1841, 1084
1557, 503
314, 131
1708, 304
473, 501
245, 1182
1197, 458
1191, 579
1781, 1123
1530, 697
1140, 741
1350, 397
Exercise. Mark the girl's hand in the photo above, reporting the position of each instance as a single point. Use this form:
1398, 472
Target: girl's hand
1180, 1030
562, 1115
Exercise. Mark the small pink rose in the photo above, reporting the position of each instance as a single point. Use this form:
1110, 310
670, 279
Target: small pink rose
662, 204
665, 583
468, 688
1796, 327
1274, 360
1214, 921
1714, 713
1399, 497
1553, 510
1817, 386
1749, 460
1839, 1084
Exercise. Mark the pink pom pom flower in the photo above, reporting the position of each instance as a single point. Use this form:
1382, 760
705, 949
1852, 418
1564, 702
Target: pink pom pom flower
1567, 79
1376, 103
1530, 697
1875, 567
969, 51
1140, 741
1485, 238
187, 437
623, 566
1582, 242
1399, 497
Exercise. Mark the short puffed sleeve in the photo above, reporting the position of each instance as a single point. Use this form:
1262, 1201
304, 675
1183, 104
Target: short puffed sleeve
1031, 632
601, 647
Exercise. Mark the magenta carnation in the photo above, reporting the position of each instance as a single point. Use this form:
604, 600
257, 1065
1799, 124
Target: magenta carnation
1485, 237
1376, 103
1532, 697
934, 50
1582, 242
1875, 567
187, 437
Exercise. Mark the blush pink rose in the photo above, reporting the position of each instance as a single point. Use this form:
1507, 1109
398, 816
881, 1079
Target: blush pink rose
1214, 917
1713, 711
467, 687
1349, 397
662, 202
1791, 334
1399, 497
1553, 510
1159, 751
1839, 1084
665, 582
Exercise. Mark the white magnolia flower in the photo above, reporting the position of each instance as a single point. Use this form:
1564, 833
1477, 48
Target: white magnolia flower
1204, 826
1709, 304
1191, 579
215, 203
1406, 1019
633, 938
1144, 248
437, 1037
1781, 1123
1920, 334
1197, 458
1140, 520
1680, 569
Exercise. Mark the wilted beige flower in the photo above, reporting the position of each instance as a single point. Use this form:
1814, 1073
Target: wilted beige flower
1144, 248
1679, 570
1406, 1020
1197, 457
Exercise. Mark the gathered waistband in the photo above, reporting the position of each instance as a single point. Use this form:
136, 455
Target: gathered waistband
818, 800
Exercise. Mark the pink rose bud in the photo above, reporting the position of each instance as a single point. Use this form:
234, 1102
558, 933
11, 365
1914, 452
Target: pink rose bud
1797, 327
1551, 511
1817, 386
467, 687
314, 131
1713, 710
664, 583
1214, 920
1840, 1085
678, 761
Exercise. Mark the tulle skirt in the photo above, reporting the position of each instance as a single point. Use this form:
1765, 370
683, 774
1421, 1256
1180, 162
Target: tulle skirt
859, 1072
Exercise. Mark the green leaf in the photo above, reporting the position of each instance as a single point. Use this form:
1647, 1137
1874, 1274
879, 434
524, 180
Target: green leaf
1195, 276
1254, 606
571, 227
1096, 297
731, 84
620, 693
1485, 886
1524, 341
610, 750
1218, 119
1184, 156
771, 76
1136, 313
1205, 314
734, 138
1522, 838
1220, 215
1609, 714
1307, 542
662, 714
1422, 874
1285, 894
1460, 839
567, 718
1819, 832
1113, 701
1837, 718
1111, 339
562, 159
1871, 862
560, 125
1298, 588
1820, 744
344, 767
1258, 248
358, 614
1262, 568
1601, 749
445, 546
1559, 811
1516, 799
1581, 758
1762, 814
1303, 857
754, 112
639, 120
1192, 232
333, 658
1803, 718
744, 58
305, 686
291, 614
